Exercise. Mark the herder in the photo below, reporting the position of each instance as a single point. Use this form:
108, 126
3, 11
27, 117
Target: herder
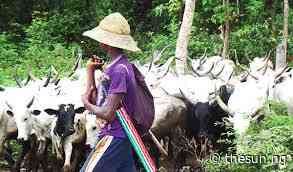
113, 150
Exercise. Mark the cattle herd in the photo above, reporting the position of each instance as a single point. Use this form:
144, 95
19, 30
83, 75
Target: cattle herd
47, 114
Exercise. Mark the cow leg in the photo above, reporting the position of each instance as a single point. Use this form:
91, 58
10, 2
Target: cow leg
155, 153
44, 156
25, 149
8, 156
77, 157
56, 165
29, 162
40, 155
2, 147
68, 152
153, 150
58, 160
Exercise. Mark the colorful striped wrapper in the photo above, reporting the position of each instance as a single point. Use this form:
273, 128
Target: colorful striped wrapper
135, 140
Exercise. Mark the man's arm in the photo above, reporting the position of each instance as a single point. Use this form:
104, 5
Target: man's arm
91, 87
90, 84
106, 112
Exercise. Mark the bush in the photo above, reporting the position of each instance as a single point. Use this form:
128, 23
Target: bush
270, 139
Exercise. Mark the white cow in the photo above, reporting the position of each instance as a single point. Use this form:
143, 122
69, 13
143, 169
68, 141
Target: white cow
248, 98
19, 102
215, 67
260, 67
245, 101
281, 90
93, 127
4, 118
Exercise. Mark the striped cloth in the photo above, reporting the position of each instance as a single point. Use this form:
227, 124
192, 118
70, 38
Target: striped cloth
135, 140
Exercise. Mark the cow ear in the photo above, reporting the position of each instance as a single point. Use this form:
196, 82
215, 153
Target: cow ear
36, 112
51, 112
79, 110
10, 113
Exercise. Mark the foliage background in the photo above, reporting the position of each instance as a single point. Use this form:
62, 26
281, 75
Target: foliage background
40, 33
271, 138
43, 33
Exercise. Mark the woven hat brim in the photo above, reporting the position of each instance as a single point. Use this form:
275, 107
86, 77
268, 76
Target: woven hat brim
115, 40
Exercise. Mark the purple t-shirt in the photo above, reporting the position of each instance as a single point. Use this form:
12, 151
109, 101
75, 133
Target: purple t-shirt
121, 80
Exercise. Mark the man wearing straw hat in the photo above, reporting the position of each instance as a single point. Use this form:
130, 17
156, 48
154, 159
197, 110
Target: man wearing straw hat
113, 151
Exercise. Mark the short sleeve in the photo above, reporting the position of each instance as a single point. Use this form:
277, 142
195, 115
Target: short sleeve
118, 82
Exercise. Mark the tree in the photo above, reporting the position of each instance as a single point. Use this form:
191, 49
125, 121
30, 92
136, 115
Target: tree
286, 13
183, 37
225, 31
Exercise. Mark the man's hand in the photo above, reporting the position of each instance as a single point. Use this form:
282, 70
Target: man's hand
94, 63
106, 112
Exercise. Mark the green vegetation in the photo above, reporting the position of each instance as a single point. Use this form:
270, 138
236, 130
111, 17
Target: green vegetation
40, 34
268, 142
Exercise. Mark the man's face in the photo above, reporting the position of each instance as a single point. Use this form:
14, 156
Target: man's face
104, 46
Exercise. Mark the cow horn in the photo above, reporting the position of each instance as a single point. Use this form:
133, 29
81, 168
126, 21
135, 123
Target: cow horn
76, 65
268, 55
48, 77
15, 76
57, 82
27, 80
185, 97
155, 58
278, 74
59, 92
188, 58
54, 70
223, 105
57, 74
236, 58
254, 77
166, 67
31, 102
201, 62
151, 63
159, 55
165, 91
230, 77
34, 78
9, 106
216, 75
157, 143
164, 74
203, 58
267, 59
248, 73
202, 74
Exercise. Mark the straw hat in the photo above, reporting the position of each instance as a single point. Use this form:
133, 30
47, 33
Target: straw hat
113, 30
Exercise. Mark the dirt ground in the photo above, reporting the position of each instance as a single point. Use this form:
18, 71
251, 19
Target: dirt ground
4, 170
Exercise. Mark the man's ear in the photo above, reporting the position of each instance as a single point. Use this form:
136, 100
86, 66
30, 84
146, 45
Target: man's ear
79, 110
52, 112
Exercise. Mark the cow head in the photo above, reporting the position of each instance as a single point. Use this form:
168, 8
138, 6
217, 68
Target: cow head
201, 120
3, 126
65, 119
22, 115
197, 120
93, 126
